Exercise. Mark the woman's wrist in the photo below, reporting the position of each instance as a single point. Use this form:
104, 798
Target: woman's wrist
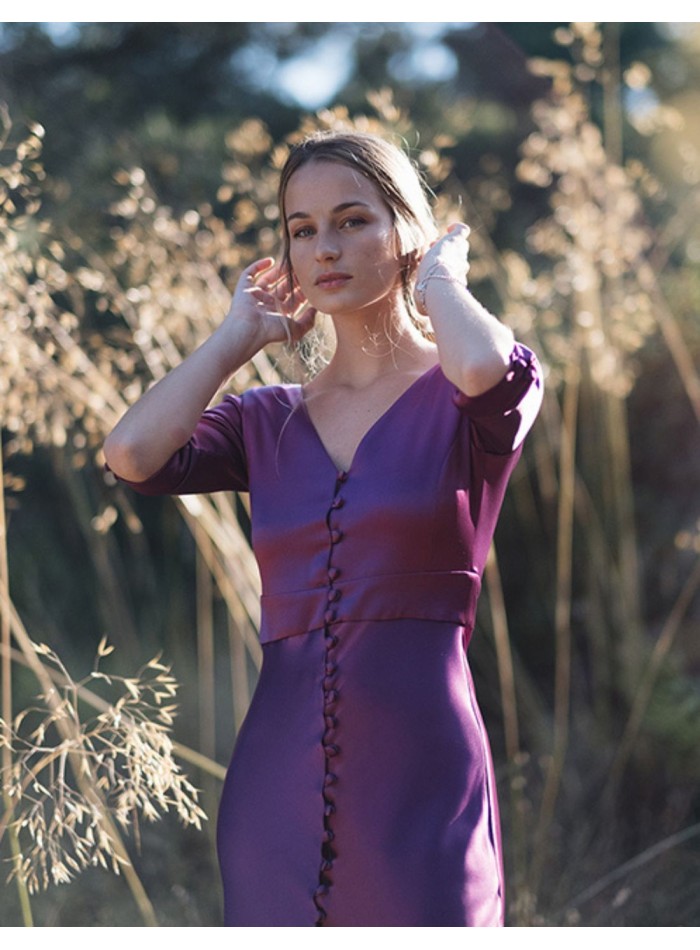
232, 347
439, 271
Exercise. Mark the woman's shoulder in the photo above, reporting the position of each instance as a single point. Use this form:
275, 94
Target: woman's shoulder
268, 399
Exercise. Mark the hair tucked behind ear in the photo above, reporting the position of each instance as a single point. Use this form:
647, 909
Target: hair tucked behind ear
396, 179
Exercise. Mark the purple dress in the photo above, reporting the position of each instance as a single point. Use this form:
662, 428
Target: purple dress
361, 790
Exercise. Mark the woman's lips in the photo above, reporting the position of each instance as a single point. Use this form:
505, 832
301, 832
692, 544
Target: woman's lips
330, 281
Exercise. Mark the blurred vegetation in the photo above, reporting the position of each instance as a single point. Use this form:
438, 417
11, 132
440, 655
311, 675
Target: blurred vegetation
137, 177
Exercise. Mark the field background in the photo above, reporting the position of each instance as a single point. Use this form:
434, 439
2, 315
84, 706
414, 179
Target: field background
137, 177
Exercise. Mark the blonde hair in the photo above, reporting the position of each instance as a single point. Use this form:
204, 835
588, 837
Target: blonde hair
397, 181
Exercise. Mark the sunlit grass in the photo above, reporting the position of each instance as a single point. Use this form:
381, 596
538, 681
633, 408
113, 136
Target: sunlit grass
584, 704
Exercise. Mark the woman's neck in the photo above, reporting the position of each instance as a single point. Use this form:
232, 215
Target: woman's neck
372, 345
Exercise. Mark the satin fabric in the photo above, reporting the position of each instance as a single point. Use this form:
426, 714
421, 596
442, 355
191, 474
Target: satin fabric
361, 789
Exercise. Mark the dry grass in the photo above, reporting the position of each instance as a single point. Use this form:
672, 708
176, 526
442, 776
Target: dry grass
125, 753
85, 330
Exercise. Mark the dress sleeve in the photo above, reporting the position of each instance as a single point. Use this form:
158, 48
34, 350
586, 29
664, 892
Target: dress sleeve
502, 416
214, 459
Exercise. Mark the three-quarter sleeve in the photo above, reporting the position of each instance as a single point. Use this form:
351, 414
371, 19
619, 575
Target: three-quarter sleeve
502, 416
214, 459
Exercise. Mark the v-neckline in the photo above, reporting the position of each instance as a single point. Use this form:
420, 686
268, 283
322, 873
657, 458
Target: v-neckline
390, 408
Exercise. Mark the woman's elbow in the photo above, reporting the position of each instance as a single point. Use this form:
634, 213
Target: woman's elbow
477, 375
125, 459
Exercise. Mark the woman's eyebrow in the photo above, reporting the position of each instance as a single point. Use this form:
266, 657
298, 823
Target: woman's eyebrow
338, 208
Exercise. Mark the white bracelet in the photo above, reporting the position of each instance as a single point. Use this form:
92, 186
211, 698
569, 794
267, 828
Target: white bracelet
422, 284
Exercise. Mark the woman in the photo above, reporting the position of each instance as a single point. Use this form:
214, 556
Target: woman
360, 790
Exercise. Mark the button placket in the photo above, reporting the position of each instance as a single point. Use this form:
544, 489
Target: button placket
329, 738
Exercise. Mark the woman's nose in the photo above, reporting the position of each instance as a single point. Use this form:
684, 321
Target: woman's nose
327, 247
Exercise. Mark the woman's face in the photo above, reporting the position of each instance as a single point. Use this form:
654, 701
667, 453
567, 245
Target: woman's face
342, 240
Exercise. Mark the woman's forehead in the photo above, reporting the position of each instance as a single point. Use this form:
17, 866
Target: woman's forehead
326, 184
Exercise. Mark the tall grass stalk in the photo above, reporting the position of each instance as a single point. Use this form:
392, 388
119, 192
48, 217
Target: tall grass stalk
506, 676
82, 776
646, 685
90, 698
562, 621
6, 708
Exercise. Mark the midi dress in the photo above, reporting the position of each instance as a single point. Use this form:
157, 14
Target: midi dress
361, 789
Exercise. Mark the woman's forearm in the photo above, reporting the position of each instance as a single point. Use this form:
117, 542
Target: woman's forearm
165, 417
473, 346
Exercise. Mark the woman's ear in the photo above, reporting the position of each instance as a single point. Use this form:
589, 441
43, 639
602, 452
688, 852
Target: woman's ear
409, 261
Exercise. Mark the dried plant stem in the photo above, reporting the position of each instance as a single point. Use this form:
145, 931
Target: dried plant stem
628, 621
6, 711
499, 622
228, 547
612, 105
661, 847
562, 618
646, 686
239, 674
206, 681
114, 613
677, 347
207, 765
205, 645
22, 889
82, 776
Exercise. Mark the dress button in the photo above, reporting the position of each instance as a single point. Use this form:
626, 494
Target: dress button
329, 616
333, 573
336, 535
342, 476
338, 502
330, 778
331, 669
333, 595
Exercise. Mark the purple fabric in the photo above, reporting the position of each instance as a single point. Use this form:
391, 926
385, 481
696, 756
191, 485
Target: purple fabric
361, 789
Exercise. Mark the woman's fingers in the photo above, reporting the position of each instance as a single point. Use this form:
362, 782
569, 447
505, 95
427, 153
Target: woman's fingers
275, 295
253, 271
303, 323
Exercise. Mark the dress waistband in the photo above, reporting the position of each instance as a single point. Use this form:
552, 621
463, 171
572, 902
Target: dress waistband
447, 596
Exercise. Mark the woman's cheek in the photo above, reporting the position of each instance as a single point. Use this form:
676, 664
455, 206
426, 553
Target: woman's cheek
300, 267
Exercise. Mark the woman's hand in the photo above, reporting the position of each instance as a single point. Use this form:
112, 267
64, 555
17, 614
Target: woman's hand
447, 259
267, 307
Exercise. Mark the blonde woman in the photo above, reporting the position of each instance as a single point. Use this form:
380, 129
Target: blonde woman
360, 791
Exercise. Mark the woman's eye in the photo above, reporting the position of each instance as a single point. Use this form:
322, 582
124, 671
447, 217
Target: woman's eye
352, 222
302, 232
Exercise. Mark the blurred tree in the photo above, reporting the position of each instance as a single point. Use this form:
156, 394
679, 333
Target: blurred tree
157, 94
166, 92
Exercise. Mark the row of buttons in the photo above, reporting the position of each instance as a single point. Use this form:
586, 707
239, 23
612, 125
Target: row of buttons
331, 749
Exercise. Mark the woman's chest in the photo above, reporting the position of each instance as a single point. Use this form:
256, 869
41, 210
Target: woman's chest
400, 504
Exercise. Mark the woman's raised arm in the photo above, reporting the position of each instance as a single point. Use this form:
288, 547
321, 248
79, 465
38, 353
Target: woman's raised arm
263, 310
474, 347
